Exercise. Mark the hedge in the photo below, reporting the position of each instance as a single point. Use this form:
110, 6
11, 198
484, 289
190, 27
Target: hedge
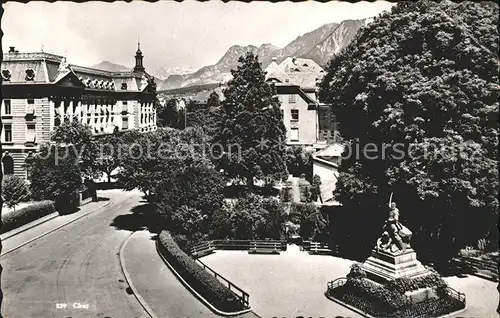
26, 215
209, 287
405, 284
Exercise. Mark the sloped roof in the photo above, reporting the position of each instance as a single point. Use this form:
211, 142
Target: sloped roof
18, 71
295, 71
333, 150
47, 69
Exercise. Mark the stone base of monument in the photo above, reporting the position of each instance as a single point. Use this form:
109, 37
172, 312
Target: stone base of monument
382, 266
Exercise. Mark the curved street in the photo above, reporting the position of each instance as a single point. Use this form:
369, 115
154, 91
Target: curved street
75, 270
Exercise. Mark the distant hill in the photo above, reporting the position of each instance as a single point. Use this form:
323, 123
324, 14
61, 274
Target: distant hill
110, 67
319, 45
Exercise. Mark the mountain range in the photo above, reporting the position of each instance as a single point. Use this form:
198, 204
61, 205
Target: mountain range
319, 45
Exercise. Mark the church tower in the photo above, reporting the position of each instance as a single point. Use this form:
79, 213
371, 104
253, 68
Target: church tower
139, 67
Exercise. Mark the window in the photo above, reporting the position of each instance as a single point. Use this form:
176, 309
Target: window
291, 98
282, 114
125, 123
124, 86
30, 75
7, 132
30, 107
294, 134
6, 75
30, 133
295, 114
7, 110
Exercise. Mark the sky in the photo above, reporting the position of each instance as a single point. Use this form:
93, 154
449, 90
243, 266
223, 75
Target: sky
187, 34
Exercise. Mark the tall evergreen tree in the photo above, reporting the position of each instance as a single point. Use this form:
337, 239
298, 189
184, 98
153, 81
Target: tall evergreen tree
251, 120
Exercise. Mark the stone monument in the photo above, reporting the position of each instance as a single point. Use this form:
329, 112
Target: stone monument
393, 256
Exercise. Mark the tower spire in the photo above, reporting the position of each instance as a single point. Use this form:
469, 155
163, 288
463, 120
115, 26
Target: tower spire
139, 67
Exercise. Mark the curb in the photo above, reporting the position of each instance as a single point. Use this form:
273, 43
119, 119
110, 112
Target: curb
30, 225
191, 289
356, 310
364, 314
141, 300
52, 230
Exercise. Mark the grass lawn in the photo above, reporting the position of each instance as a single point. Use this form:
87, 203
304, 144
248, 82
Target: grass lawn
293, 284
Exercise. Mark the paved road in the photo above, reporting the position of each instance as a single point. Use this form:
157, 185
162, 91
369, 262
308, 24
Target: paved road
75, 266
141, 259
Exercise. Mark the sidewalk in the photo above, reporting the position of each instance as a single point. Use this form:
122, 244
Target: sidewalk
20, 236
157, 285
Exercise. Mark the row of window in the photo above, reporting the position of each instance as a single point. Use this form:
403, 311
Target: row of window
30, 133
30, 107
7, 75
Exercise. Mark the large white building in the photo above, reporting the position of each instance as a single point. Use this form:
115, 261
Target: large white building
41, 90
308, 122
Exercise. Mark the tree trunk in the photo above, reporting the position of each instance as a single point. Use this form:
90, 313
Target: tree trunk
250, 184
109, 177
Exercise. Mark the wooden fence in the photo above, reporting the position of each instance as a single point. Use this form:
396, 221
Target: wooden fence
207, 247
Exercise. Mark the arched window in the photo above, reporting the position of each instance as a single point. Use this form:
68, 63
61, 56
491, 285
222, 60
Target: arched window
7, 163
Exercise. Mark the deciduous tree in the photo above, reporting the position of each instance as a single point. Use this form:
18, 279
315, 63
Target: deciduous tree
422, 79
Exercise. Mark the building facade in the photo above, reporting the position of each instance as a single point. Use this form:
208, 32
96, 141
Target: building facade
41, 91
307, 121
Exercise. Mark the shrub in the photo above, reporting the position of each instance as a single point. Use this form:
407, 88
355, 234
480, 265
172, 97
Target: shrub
356, 272
200, 280
405, 284
14, 190
26, 215
369, 290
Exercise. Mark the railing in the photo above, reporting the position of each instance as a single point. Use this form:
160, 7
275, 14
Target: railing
201, 248
317, 248
243, 296
233, 245
456, 294
335, 283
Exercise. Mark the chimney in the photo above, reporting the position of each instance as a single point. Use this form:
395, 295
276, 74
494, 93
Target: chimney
294, 59
12, 49
275, 58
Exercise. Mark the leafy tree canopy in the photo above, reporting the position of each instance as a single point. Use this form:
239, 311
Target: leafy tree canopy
79, 138
423, 79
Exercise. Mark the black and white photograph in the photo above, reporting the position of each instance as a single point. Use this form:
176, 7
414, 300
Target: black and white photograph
249, 159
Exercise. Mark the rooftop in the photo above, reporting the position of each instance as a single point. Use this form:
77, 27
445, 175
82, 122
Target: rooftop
295, 71
41, 67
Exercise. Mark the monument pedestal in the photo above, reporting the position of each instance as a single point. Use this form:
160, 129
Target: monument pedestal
383, 266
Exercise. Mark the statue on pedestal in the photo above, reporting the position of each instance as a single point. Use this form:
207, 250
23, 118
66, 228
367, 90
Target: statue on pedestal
395, 236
